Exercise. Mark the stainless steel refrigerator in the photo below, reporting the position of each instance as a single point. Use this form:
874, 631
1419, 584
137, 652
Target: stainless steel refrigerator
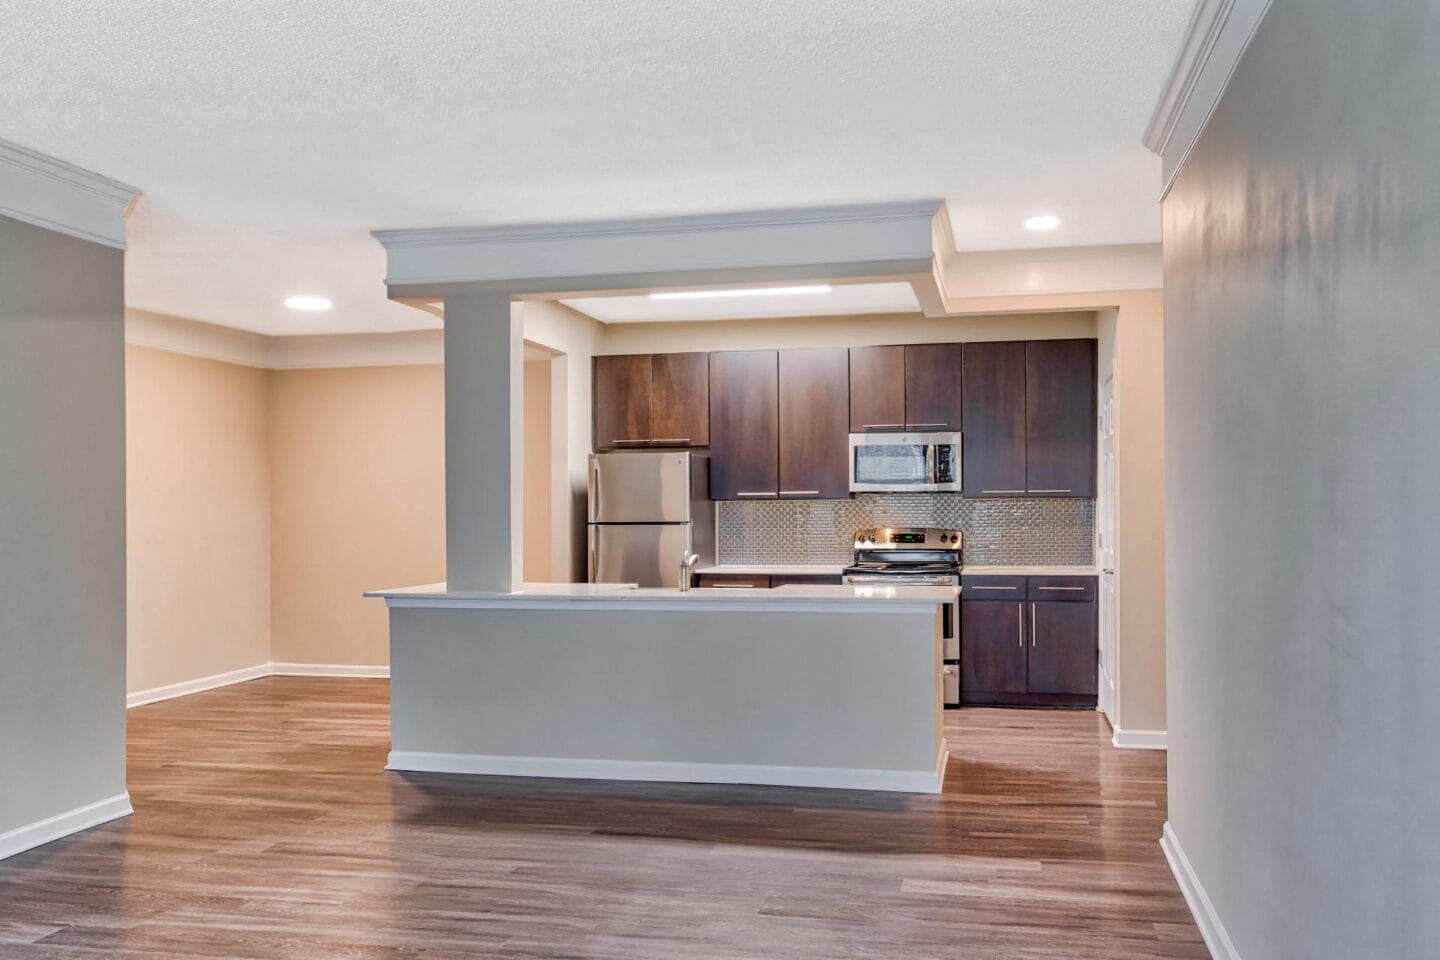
647, 510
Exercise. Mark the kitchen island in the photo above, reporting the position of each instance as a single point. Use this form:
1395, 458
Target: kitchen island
804, 685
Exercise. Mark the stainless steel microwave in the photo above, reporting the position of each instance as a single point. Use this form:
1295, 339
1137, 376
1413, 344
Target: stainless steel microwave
901, 462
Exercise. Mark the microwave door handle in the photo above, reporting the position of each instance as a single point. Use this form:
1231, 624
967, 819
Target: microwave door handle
930, 463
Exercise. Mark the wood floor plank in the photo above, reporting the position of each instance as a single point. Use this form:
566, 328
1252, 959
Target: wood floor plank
265, 826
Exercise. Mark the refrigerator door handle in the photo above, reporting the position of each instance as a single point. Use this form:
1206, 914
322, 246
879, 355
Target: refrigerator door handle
593, 550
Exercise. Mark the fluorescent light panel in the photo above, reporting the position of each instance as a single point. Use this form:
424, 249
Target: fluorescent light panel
743, 292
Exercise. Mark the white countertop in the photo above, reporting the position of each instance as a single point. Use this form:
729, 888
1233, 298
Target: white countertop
774, 569
968, 570
997, 570
796, 597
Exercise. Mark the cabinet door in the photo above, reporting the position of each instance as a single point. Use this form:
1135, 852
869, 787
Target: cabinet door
1063, 650
739, 581
992, 647
877, 388
1060, 426
622, 401
814, 423
744, 425
932, 386
993, 387
680, 399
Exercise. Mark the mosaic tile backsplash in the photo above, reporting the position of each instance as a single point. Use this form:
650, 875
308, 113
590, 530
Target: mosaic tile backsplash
1020, 531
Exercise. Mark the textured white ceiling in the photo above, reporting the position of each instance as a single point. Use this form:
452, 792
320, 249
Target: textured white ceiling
271, 136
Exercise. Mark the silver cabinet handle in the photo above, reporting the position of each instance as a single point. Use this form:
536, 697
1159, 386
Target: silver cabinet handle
1020, 623
755, 493
911, 425
1059, 588
1042, 490
670, 440
799, 493
1003, 491
881, 426
628, 443
993, 588
1032, 624
735, 586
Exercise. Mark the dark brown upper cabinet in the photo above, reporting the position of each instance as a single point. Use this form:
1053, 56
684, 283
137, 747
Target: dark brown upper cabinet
877, 388
622, 401
993, 389
933, 374
680, 399
645, 400
914, 387
744, 425
1060, 431
814, 423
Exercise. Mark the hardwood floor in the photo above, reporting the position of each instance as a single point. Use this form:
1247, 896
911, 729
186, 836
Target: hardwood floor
265, 827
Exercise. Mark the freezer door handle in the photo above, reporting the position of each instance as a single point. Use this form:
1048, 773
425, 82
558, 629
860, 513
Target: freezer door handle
594, 493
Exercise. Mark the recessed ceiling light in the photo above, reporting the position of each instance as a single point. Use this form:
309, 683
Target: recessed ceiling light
309, 304
745, 292
1044, 222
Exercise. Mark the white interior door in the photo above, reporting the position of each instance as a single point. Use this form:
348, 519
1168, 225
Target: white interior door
1105, 549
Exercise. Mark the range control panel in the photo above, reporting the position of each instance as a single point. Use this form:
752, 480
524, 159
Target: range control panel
907, 538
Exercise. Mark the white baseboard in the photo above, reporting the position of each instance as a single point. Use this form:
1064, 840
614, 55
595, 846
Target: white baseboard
1216, 939
186, 687
1138, 739
669, 771
62, 825
378, 671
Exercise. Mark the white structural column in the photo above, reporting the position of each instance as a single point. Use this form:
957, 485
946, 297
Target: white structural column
484, 344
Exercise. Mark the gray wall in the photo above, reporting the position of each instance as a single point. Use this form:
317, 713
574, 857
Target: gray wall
844, 689
62, 524
1302, 354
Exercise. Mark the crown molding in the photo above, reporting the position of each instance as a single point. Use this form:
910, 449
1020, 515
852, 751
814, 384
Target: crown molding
50, 193
705, 222
814, 243
1218, 35
159, 331
309, 352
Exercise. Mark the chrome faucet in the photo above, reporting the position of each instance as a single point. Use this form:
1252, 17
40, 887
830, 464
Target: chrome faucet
687, 569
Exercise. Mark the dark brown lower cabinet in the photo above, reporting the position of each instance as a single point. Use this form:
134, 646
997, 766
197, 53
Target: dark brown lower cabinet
1029, 653
764, 580
992, 648
1062, 648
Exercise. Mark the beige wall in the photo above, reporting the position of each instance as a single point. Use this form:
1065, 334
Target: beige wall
198, 509
574, 339
1132, 349
358, 504
538, 477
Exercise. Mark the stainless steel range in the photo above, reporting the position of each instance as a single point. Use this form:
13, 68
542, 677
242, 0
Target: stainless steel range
917, 557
